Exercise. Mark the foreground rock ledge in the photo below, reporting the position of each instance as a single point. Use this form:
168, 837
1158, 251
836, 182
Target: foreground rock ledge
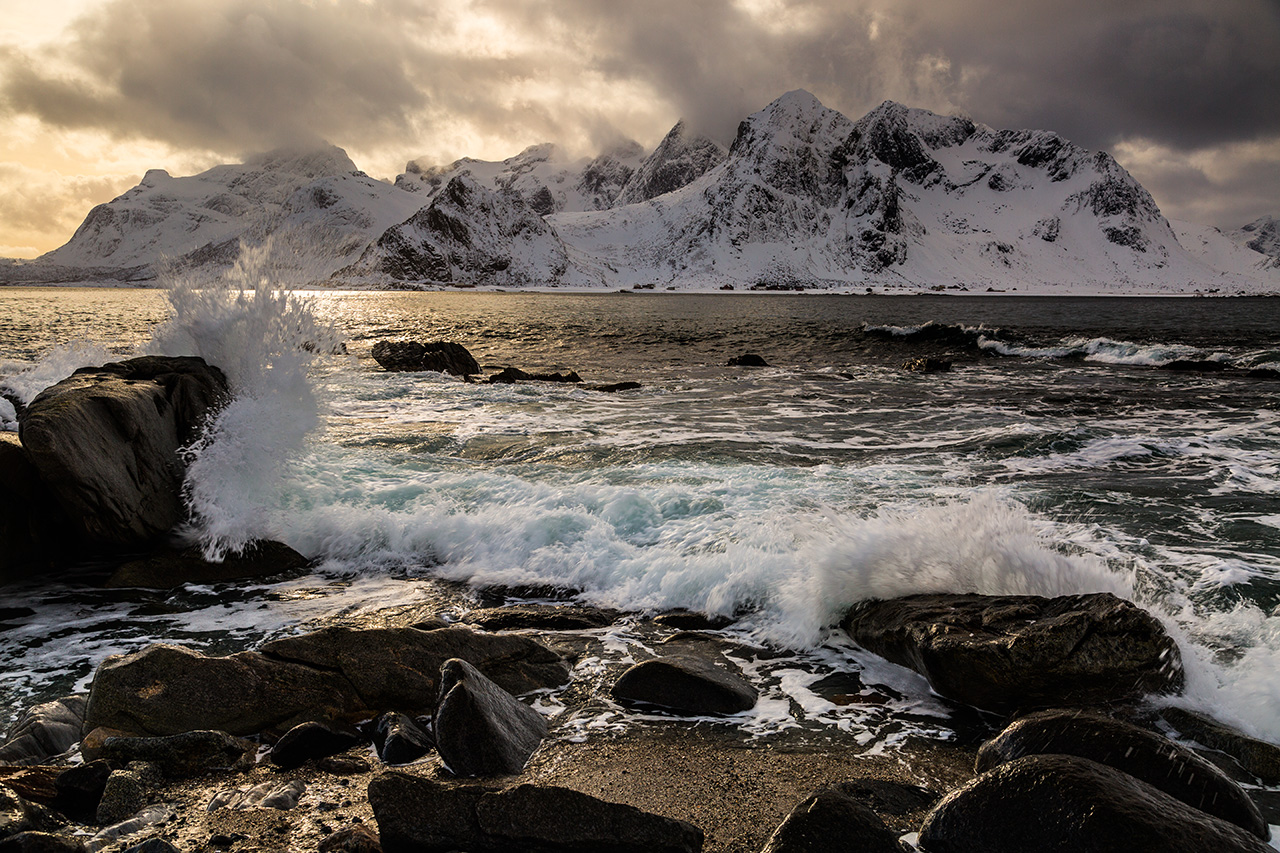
419, 815
1003, 653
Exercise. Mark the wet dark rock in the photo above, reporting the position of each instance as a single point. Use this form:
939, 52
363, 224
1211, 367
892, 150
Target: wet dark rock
153, 845
35, 784
438, 356
399, 739
1002, 653
830, 821
927, 365
749, 359
148, 817
80, 789
427, 816
687, 620
1065, 804
44, 731
266, 795
35, 531
309, 741
173, 568
1260, 758
398, 669
125, 794
1263, 373
15, 813
41, 842
1142, 754
684, 684
182, 755
343, 766
480, 729
166, 690
356, 838
544, 617
1188, 365
106, 442
511, 375
615, 387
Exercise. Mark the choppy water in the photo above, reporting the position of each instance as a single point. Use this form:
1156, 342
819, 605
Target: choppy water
1055, 457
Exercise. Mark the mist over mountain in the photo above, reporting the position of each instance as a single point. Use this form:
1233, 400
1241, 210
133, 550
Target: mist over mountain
804, 197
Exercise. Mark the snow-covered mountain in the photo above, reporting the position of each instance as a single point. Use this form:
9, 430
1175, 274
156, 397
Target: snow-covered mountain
317, 207
545, 180
901, 199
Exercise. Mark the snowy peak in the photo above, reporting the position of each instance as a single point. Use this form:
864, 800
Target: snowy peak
679, 160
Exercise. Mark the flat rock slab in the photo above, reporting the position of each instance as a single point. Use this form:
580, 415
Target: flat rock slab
182, 755
481, 729
398, 669
1004, 653
1142, 754
106, 439
1064, 804
684, 684
423, 815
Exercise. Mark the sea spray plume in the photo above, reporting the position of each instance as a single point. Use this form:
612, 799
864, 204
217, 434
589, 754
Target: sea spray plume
265, 339
985, 545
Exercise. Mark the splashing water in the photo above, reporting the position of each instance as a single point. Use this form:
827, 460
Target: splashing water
265, 340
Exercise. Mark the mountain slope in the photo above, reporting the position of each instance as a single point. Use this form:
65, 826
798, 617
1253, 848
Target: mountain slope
679, 159
314, 201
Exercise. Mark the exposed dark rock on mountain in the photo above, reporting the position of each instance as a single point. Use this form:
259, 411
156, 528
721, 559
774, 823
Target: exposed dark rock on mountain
679, 159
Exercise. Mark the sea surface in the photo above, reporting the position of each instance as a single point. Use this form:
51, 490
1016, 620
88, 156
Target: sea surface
1055, 456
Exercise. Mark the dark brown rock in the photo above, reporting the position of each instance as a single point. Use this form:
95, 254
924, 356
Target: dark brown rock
169, 569
398, 669
544, 617
1002, 653
105, 441
684, 684
511, 375
480, 729
831, 821
438, 356
179, 756
167, 690
80, 789
41, 842
399, 739
1142, 754
309, 741
356, 838
35, 531
749, 359
427, 816
1260, 758
1064, 804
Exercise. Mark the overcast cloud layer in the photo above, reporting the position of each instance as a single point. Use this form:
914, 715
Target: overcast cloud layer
1184, 92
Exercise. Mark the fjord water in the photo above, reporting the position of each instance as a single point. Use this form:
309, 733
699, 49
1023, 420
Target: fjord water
1055, 457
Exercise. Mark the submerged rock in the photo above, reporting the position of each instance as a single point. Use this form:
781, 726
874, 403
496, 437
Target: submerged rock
480, 729
684, 684
545, 617
428, 816
106, 442
511, 375
438, 356
45, 730
1002, 653
927, 365
1064, 804
1142, 754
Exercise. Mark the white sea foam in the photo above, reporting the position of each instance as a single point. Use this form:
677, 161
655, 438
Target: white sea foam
26, 381
1101, 350
265, 340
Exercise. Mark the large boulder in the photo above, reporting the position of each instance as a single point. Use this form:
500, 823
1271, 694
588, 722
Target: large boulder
106, 440
440, 356
167, 690
398, 669
1142, 754
44, 731
684, 684
832, 821
1064, 804
1003, 653
481, 729
427, 816
35, 531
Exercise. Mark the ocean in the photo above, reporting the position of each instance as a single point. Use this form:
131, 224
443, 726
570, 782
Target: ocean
1057, 455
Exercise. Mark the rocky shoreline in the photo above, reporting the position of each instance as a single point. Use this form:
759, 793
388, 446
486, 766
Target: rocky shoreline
466, 733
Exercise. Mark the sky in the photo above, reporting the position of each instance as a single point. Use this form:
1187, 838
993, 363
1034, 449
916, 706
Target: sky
1184, 93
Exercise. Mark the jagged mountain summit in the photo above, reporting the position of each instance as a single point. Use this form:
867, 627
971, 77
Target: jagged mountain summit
804, 197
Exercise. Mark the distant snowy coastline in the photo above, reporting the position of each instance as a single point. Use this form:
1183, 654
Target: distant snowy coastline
899, 201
